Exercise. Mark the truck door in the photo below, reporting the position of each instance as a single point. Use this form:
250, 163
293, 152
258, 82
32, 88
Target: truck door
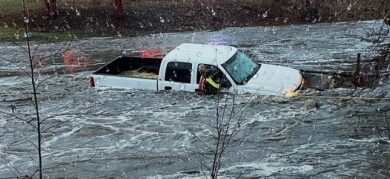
177, 77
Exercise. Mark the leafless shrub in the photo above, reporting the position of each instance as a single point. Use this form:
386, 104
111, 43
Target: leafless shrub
371, 124
34, 120
224, 126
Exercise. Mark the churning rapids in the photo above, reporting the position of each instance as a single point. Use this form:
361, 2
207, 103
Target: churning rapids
103, 133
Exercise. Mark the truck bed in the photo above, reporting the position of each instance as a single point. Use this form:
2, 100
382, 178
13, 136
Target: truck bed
132, 67
139, 73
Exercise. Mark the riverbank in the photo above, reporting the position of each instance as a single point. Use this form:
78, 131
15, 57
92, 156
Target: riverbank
95, 18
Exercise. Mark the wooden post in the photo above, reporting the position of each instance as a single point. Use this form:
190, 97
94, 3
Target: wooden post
386, 20
356, 76
51, 7
358, 65
47, 5
388, 126
118, 10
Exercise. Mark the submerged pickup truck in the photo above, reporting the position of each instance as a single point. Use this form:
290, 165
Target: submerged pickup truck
177, 71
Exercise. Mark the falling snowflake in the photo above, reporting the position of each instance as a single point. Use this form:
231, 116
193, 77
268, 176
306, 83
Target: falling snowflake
265, 14
349, 7
162, 20
26, 20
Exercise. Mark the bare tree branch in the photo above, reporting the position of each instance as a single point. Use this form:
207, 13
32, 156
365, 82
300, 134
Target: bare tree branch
388, 125
51, 117
200, 160
44, 80
35, 172
70, 163
44, 131
20, 46
32, 143
10, 169
24, 70
60, 50
18, 118
201, 141
35, 50
226, 124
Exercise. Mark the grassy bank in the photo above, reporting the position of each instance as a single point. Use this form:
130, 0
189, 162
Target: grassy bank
14, 34
16, 6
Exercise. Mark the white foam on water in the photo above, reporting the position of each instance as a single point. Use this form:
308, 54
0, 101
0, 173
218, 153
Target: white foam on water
265, 169
59, 137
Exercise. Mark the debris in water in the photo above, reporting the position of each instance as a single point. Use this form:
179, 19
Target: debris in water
311, 104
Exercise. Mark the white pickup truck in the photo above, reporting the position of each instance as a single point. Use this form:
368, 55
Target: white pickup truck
178, 71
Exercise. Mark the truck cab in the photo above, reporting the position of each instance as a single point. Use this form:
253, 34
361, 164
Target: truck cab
238, 72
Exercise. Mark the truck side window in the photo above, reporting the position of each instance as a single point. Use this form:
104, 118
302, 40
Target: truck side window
208, 68
220, 77
178, 72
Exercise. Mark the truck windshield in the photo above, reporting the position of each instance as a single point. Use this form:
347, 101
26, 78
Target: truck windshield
241, 68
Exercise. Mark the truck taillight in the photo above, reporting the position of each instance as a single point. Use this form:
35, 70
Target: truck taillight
91, 81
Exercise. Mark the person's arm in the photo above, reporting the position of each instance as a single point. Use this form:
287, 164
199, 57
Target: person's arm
213, 83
